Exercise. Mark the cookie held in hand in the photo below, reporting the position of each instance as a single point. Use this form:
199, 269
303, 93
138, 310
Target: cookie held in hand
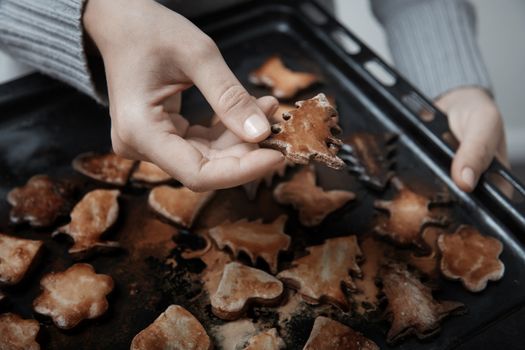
307, 133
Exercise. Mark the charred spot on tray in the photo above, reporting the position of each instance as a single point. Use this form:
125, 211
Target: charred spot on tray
471, 258
40, 201
408, 214
307, 135
371, 157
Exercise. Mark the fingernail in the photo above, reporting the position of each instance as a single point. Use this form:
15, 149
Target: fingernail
467, 175
255, 126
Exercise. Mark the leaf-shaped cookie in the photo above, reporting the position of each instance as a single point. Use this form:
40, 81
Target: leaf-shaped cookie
90, 219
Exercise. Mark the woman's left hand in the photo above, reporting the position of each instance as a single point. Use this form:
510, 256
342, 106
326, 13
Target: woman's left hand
475, 121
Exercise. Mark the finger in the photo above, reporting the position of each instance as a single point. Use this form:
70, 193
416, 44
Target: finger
187, 164
234, 171
231, 102
474, 155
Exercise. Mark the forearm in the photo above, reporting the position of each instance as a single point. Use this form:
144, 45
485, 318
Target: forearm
48, 35
433, 43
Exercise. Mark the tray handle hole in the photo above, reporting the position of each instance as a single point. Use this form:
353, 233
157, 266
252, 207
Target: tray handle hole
419, 106
313, 13
450, 139
381, 73
349, 45
505, 187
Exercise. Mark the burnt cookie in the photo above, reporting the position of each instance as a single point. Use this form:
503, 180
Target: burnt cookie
428, 263
284, 82
471, 258
241, 286
371, 157
149, 173
108, 168
366, 297
312, 202
319, 276
408, 214
254, 238
328, 334
179, 205
17, 333
267, 340
307, 134
39, 202
17, 255
73, 295
176, 328
412, 310
90, 219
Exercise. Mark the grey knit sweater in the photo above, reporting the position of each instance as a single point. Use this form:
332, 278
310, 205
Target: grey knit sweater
432, 41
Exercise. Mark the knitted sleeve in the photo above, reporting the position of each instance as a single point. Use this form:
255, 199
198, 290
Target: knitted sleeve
48, 35
433, 43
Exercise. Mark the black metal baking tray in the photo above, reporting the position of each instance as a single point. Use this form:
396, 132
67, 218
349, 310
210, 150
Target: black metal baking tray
44, 124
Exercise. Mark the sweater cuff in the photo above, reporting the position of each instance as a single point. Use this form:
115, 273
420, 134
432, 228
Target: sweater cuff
433, 43
48, 34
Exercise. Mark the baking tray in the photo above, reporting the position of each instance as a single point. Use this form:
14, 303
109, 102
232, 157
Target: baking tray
45, 124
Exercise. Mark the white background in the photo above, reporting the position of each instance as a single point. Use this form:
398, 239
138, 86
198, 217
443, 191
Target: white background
501, 25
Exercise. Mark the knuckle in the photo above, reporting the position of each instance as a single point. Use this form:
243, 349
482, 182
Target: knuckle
232, 97
204, 48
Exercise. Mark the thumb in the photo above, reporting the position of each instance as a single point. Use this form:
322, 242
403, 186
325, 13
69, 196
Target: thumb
235, 107
475, 153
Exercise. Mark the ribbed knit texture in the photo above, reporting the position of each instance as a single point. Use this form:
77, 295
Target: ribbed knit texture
433, 43
48, 35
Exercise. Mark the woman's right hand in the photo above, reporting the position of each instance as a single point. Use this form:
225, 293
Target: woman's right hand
151, 54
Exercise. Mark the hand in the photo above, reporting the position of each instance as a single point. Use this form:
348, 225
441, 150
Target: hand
475, 120
152, 54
